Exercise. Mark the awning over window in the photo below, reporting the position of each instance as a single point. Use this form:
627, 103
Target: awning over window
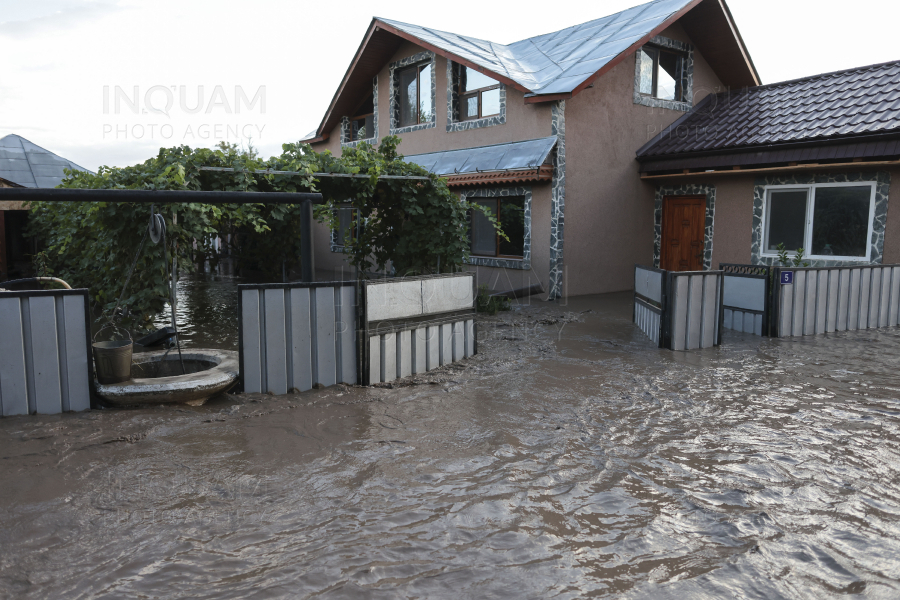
516, 161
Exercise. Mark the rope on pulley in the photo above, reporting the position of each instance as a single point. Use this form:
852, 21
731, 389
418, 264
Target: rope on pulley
157, 231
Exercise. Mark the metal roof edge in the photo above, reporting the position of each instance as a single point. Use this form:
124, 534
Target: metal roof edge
346, 77
541, 139
741, 150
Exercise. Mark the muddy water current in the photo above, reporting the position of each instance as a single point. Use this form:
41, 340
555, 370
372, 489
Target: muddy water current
569, 458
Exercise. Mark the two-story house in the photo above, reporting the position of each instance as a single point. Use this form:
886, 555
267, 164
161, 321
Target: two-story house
545, 131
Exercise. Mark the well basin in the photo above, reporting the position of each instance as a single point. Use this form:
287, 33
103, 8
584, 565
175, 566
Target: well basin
157, 381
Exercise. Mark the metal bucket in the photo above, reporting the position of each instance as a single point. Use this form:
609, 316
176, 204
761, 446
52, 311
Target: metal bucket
113, 360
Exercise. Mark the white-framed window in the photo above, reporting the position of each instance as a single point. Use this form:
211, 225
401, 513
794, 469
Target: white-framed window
830, 221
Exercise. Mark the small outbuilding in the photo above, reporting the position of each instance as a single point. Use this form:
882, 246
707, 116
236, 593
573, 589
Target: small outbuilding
23, 164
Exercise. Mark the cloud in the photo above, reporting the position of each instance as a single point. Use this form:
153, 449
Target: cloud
55, 16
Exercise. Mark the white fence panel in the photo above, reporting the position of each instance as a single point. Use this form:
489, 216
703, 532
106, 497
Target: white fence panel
824, 300
417, 324
45, 361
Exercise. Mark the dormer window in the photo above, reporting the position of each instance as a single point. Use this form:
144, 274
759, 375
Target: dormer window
479, 94
415, 95
662, 73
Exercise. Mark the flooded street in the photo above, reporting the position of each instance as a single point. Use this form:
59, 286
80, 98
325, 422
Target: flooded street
569, 458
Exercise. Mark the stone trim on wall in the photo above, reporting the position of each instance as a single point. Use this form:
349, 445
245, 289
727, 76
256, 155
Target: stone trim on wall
688, 83
882, 181
505, 263
453, 121
685, 190
557, 199
345, 123
394, 67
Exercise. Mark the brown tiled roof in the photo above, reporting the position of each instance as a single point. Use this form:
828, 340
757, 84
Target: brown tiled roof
837, 114
543, 173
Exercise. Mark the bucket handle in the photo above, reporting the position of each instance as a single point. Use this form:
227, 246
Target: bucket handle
115, 328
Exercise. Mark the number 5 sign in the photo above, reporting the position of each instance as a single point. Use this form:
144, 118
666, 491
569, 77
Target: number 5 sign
787, 277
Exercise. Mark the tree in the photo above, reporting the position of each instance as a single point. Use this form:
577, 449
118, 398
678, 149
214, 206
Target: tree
411, 225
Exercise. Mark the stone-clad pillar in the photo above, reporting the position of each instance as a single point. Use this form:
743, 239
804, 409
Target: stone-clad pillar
558, 199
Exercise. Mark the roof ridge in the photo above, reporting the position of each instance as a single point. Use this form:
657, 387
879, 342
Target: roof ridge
644, 4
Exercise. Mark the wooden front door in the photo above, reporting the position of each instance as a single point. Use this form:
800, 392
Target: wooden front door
683, 224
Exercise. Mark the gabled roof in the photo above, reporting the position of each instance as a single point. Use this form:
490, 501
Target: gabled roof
855, 105
31, 166
555, 65
558, 62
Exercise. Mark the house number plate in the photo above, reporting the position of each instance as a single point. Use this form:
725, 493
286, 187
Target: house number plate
787, 277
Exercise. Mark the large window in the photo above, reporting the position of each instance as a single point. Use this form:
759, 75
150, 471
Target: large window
829, 221
415, 95
510, 212
662, 74
479, 95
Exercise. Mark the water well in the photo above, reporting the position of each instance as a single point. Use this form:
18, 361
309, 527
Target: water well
156, 378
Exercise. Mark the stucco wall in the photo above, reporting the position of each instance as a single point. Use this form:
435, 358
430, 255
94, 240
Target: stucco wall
892, 228
609, 210
733, 226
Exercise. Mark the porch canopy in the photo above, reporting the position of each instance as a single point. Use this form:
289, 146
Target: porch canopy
501, 163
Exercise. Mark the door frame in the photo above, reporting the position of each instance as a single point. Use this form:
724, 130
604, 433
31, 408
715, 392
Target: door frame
685, 189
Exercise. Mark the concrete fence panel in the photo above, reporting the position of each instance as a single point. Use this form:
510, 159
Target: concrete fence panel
417, 324
810, 301
45, 356
297, 335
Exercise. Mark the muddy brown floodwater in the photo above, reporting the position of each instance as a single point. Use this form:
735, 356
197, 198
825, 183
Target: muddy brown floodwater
568, 459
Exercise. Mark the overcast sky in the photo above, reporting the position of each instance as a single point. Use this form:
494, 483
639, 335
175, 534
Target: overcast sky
63, 60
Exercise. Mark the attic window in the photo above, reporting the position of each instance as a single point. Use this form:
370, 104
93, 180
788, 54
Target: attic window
362, 126
415, 95
479, 94
663, 73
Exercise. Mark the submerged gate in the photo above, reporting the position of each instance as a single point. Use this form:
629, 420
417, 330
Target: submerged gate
679, 310
746, 300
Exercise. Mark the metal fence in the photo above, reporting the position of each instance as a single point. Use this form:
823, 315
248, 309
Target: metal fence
814, 300
649, 300
45, 350
415, 324
295, 336
679, 310
746, 298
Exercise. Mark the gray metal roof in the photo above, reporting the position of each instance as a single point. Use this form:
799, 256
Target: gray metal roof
501, 157
30, 165
557, 62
